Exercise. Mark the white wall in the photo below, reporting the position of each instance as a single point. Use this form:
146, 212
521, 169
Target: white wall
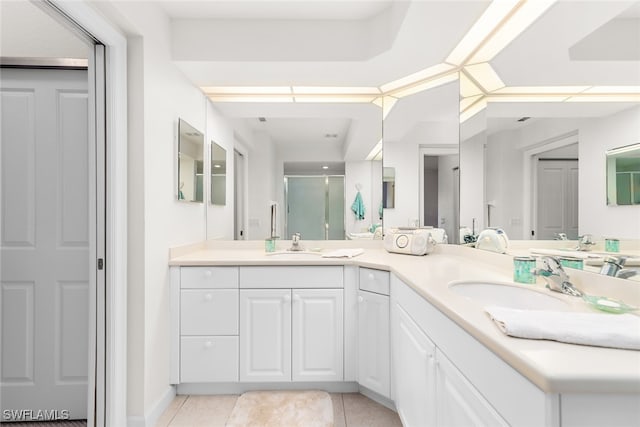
446, 214
220, 219
158, 95
362, 173
472, 182
597, 136
263, 179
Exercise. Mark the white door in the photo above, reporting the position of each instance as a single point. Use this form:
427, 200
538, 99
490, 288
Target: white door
265, 335
413, 371
45, 240
557, 199
373, 342
317, 342
459, 404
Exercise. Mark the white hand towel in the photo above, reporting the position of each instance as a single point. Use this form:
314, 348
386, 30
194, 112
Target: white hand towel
595, 329
343, 253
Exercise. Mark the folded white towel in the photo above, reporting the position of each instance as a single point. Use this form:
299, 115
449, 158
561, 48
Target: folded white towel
595, 329
343, 253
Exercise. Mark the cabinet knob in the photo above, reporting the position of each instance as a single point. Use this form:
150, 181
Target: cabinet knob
208, 297
360, 299
208, 273
287, 298
208, 344
371, 276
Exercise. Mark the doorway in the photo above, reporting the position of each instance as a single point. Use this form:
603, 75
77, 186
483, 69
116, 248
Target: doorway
557, 198
53, 227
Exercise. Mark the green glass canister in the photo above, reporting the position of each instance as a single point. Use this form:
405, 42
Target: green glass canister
524, 269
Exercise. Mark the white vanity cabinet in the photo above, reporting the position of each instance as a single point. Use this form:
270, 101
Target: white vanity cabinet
414, 374
373, 331
291, 333
444, 377
208, 324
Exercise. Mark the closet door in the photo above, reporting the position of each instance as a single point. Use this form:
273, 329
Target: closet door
45, 241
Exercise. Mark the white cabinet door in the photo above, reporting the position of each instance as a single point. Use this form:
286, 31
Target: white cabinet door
458, 401
265, 335
413, 371
317, 327
373, 342
209, 359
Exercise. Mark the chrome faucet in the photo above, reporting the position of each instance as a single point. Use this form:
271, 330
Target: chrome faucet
557, 279
295, 243
585, 242
613, 267
560, 236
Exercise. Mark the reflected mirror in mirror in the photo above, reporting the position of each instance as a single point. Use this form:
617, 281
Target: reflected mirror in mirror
388, 187
623, 175
190, 163
218, 174
421, 144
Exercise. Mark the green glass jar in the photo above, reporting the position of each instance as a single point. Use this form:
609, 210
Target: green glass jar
270, 245
612, 245
571, 262
524, 269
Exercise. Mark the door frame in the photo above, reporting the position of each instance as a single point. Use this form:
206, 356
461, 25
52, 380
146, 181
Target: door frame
530, 178
115, 119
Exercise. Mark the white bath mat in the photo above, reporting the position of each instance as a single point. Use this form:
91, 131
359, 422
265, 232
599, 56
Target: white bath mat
282, 408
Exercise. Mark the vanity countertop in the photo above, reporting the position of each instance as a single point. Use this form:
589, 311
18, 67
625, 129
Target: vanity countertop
553, 366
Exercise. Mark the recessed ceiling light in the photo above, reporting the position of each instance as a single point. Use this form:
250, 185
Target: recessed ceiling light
325, 167
330, 135
523, 119
262, 119
217, 166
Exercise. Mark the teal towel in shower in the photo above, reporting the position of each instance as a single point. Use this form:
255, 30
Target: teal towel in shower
358, 207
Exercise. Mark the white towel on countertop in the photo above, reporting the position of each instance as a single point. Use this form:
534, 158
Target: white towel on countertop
343, 253
595, 329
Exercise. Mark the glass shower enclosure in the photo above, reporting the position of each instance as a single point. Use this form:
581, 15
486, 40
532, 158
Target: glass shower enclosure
315, 206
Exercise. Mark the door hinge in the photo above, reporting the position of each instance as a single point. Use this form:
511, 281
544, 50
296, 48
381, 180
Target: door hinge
100, 263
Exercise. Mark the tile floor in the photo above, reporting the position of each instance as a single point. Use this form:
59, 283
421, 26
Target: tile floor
349, 410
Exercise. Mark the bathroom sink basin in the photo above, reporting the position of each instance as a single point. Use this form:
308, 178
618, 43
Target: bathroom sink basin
295, 255
505, 295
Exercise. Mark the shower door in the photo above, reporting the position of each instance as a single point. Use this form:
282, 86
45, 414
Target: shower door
315, 207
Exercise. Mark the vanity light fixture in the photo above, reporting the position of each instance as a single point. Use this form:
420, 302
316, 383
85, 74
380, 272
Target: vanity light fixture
420, 76
429, 84
485, 76
518, 20
376, 152
334, 90
493, 15
542, 97
337, 98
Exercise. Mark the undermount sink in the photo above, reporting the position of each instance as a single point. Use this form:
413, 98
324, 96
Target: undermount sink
294, 255
506, 295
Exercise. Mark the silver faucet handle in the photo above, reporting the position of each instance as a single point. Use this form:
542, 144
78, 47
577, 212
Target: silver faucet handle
557, 279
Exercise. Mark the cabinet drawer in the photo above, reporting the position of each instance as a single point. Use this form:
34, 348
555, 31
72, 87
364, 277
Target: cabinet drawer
374, 281
208, 277
209, 311
302, 277
208, 359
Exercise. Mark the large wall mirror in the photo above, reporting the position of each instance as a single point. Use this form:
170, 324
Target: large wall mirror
315, 162
421, 146
190, 186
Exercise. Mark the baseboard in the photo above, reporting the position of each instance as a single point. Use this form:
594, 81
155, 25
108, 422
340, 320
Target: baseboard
151, 417
378, 398
239, 388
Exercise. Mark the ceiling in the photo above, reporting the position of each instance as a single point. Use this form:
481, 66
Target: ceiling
364, 43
